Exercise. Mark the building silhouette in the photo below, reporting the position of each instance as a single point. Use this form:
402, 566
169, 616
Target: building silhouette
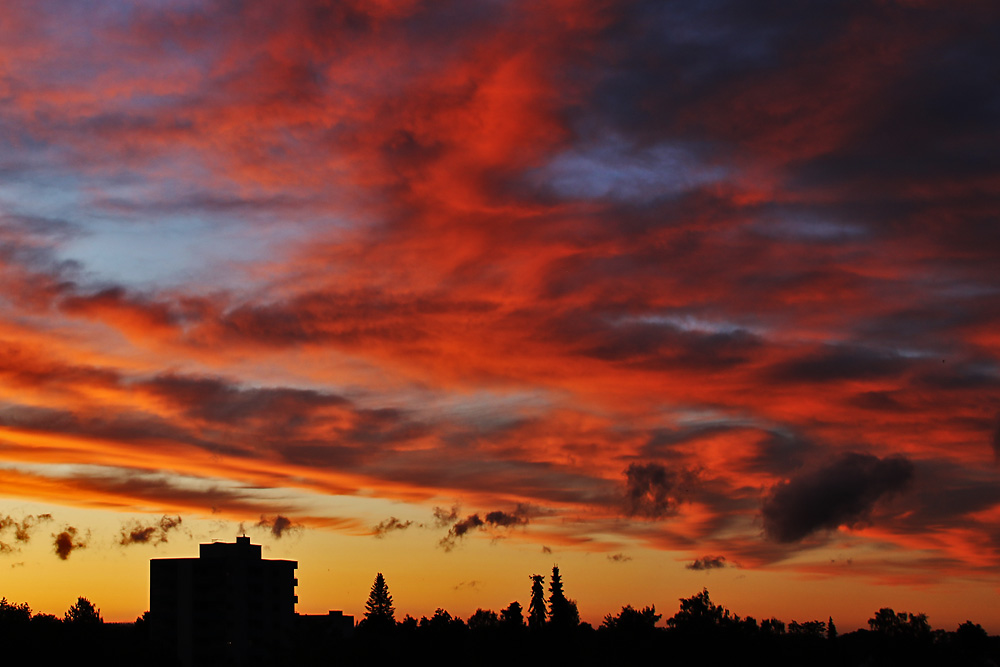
227, 607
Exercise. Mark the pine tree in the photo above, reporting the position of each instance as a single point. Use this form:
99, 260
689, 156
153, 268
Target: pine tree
562, 612
536, 608
379, 612
831, 629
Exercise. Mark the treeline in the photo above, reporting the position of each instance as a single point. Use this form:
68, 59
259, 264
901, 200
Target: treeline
548, 632
80, 636
700, 633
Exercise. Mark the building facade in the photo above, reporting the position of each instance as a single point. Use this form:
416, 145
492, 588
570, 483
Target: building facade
229, 606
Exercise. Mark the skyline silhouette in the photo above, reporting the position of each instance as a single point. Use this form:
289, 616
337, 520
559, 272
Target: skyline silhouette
230, 606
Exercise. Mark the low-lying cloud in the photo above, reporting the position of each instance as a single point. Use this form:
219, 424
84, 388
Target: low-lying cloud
155, 533
707, 563
495, 519
67, 542
390, 525
278, 525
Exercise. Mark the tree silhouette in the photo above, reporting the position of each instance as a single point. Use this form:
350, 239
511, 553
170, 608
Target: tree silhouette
807, 628
633, 620
772, 626
536, 608
83, 613
483, 619
11, 613
512, 616
889, 623
379, 612
562, 612
698, 612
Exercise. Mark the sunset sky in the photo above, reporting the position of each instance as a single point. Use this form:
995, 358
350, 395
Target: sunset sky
670, 294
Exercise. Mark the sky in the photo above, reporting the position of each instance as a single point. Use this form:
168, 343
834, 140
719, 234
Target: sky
671, 294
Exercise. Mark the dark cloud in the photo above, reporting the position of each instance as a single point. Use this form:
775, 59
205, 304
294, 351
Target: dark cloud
623, 339
619, 558
459, 529
390, 525
127, 426
28, 368
67, 542
960, 377
935, 114
707, 563
215, 399
837, 363
345, 318
781, 452
996, 438
843, 492
155, 533
495, 519
652, 491
506, 519
946, 496
878, 401
278, 525
129, 485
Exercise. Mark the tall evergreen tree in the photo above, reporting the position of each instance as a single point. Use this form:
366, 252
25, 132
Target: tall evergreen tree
536, 608
379, 612
562, 612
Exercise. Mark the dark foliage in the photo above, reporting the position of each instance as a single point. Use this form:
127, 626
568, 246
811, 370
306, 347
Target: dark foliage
700, 632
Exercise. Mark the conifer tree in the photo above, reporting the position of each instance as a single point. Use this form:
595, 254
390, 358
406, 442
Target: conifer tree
536, 608
379, 612
562, 612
